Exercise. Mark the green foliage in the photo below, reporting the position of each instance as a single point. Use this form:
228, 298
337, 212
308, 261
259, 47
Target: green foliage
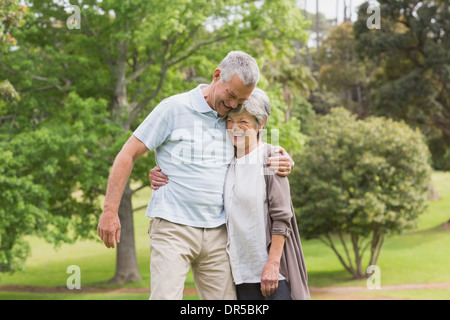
51, 177
11, 16
287, 135
341, 72
8, 92
412, 51
20, 212
365, 179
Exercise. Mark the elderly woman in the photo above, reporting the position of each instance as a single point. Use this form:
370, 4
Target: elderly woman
263, 242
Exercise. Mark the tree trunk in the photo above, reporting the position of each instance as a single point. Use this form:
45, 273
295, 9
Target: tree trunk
308, 52
358, 272
288, 99
377, 244
317, 26
126, 260
361, 110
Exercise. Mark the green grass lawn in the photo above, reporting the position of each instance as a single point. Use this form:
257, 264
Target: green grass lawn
420, 256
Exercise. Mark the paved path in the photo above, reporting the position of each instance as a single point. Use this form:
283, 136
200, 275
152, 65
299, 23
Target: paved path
317, 293
354, 292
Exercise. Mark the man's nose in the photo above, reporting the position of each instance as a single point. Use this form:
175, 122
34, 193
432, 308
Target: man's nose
234, 103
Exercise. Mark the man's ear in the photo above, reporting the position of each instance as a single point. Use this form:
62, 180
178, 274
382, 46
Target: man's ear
216, 74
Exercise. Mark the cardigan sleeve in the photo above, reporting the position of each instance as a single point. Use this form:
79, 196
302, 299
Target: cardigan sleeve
279, 204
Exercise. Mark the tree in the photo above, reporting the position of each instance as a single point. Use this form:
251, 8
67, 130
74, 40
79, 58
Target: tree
358, 181
341, 72
48, 178
127, 56
295, 79
412, 52
11, 16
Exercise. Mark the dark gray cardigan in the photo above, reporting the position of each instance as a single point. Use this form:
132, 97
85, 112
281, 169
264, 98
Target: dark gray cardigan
281, 220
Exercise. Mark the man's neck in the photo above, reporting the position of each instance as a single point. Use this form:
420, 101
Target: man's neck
206, 91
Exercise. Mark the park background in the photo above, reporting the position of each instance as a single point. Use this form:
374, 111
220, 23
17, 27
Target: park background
360, 101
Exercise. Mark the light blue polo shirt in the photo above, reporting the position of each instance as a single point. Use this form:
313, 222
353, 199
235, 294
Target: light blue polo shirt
194, 151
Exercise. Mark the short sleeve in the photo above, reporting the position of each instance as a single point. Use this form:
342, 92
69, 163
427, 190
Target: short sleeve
156, 128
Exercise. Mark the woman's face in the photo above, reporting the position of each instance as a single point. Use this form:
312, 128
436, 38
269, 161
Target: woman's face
242, 130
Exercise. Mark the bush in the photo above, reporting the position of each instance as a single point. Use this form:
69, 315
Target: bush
358, 181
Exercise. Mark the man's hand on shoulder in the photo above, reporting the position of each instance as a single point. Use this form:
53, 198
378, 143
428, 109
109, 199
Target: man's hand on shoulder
281, 162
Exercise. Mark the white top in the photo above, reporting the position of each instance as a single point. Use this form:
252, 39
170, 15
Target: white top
246, 212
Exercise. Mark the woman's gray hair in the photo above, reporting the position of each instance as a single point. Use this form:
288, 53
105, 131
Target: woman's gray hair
258, 105
241, 64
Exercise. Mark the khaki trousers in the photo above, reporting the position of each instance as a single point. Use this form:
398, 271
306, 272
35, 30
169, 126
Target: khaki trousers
175, 248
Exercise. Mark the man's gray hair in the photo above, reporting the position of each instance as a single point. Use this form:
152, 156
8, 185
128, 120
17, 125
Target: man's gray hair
241, 64
258, 105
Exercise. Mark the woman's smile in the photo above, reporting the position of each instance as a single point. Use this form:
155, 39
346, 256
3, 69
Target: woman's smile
238, 134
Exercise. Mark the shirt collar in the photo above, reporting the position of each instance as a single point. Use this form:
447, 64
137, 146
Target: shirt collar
198, 102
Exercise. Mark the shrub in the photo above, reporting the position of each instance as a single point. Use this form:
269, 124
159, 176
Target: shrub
358, 181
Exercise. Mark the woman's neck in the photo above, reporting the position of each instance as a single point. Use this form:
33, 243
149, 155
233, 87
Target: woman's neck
249, 147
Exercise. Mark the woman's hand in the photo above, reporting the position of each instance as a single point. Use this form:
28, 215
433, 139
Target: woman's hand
269, 278
271, 270
157, 178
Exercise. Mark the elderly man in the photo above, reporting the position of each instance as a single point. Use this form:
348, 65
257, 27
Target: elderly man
187, 226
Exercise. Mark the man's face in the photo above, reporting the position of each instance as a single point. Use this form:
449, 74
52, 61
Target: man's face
228, 95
